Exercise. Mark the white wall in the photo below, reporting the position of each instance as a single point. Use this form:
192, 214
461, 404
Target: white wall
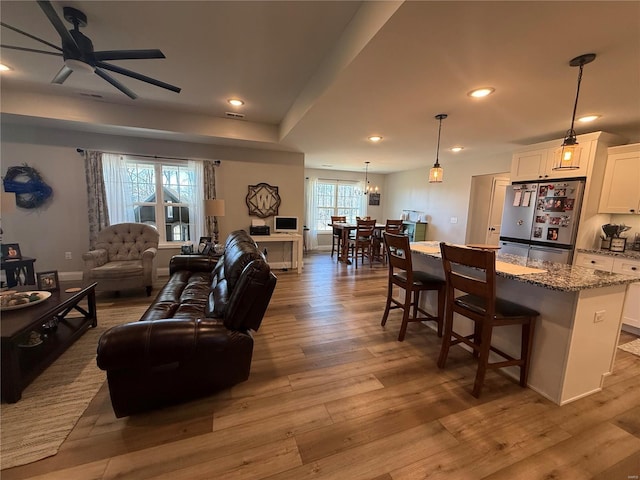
441, 201
62, 225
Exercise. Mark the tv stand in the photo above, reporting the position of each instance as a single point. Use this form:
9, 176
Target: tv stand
296, 245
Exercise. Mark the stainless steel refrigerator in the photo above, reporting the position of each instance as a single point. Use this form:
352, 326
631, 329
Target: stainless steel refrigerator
540, 220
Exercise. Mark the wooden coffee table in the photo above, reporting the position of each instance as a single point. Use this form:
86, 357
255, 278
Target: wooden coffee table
22, 363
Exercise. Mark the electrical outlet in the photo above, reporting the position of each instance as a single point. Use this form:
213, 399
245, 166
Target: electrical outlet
454, 219
598, 316
67, 255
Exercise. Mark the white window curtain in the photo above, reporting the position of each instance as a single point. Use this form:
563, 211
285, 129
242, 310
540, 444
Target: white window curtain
364, 199
197, 226
310, 213
117, 187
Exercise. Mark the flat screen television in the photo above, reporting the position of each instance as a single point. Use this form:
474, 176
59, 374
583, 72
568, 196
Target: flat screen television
283, 224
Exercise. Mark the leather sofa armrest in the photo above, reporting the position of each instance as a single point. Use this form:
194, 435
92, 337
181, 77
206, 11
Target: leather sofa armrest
152, 343
194, 263
95, 258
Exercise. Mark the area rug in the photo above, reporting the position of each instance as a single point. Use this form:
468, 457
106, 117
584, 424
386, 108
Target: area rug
631, 347
34, 427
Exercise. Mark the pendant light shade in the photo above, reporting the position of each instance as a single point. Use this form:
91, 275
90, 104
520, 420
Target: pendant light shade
567, 157
436, 172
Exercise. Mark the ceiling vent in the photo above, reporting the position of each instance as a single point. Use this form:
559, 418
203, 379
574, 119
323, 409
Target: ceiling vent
237, 116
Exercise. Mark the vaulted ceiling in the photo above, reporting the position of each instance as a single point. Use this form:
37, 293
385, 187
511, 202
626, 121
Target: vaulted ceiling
319, 77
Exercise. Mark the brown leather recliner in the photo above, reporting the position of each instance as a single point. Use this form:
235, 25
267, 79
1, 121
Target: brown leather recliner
196, 337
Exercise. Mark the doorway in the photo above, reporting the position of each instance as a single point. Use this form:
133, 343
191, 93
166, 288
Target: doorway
486, 201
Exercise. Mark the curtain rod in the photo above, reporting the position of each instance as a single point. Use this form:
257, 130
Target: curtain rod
338, 180
215, 162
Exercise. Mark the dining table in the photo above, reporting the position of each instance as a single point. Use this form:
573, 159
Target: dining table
345, 228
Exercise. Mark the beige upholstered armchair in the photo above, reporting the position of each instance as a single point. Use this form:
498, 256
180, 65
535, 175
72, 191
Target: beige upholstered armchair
124, 257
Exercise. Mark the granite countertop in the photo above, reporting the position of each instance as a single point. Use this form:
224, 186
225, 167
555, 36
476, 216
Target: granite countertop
558, 276
632, 254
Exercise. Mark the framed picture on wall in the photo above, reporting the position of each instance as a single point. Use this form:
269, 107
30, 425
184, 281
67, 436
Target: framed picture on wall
374, 199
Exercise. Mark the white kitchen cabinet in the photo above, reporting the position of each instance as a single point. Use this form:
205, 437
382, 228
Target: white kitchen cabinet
621, 183
607, 263
597, 262
528, 165
537, 164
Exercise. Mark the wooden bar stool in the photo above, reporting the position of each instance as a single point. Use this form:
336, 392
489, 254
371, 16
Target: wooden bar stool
478, 302
413, 282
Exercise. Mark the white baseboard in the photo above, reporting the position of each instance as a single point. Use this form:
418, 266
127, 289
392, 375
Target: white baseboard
69, 276
631, 329
280, 265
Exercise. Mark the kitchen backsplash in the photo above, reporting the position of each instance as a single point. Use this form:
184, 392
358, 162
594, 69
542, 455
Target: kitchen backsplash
632, 221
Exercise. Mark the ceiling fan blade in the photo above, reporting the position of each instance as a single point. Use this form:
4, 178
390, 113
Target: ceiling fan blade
62, 75
30, 36
67, 39
138, 76
116, 83
12, 47
128, 54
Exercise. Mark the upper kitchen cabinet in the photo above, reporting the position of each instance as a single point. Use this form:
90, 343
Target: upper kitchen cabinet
530, 165
535, 162
621, 184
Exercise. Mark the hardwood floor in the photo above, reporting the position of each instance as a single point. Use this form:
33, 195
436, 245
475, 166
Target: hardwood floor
332, 394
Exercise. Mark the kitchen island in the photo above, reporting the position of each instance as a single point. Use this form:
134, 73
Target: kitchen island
577, 331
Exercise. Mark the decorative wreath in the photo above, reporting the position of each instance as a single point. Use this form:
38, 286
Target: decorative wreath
30, 189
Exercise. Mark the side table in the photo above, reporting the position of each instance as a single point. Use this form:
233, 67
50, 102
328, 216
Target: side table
19, 271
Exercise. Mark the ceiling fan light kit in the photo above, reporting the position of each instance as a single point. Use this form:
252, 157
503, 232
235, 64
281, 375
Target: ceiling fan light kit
79, 56
567, 157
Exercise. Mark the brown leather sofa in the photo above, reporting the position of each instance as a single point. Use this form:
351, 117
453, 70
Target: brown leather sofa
196, 337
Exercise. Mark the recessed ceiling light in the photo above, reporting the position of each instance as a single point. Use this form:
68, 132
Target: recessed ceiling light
235, 102
481, 92
589, 118
457, 149
375, 138
4, 68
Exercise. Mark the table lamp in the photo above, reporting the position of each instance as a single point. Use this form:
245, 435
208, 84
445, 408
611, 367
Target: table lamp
214, 208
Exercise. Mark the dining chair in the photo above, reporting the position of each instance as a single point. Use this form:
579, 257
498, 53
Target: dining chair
362, 242
336, 239
479, 303
391, 226
402, 275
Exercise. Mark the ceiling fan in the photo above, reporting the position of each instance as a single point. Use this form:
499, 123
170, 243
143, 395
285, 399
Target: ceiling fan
78, 54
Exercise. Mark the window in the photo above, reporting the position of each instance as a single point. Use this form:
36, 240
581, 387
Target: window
337, 197
156, 193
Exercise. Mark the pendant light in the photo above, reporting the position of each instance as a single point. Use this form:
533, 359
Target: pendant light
567, 157
366, 177
436, 172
